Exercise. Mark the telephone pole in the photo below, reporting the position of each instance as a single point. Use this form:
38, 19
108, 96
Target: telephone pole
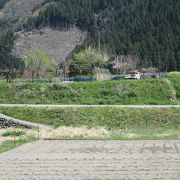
122, 60
99, 41
97, 22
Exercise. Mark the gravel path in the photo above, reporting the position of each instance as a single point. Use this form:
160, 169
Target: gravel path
92, 160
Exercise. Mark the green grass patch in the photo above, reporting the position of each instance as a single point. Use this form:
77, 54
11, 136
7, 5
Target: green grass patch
125, 123
8, 145
14, 133
149, 91
174, 78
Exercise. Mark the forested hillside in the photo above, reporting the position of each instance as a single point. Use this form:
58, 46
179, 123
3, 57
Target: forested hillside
147, 28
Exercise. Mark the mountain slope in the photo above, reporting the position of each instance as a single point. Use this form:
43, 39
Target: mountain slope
57, 43
18, 8
148, 28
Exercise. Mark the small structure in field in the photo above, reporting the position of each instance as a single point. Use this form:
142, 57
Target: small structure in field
133, 75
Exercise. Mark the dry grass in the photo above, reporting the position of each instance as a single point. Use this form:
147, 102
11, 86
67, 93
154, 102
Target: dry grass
70, 132
89, 133
2, 131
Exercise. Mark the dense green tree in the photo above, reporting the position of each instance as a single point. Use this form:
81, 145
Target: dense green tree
10, 65
178, 60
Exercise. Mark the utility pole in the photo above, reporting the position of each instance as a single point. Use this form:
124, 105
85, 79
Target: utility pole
99, 41
97, 22
122, 60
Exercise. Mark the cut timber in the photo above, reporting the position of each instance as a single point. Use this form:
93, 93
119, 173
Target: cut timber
24, 123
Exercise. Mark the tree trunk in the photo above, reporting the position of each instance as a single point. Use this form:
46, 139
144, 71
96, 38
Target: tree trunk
33, 76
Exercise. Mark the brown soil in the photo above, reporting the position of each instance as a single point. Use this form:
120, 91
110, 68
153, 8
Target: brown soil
92, 160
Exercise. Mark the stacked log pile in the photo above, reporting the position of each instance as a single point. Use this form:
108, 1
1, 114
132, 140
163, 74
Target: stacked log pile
4, 123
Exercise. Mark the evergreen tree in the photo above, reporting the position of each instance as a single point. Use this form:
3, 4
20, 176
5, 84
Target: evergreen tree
178, 60
9, 64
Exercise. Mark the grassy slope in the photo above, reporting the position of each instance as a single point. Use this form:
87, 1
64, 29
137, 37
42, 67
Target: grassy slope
8, 145
145, 122
174, 78
97, 117
150, 91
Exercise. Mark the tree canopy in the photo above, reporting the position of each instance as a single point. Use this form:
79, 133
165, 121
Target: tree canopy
86, 60
8, 62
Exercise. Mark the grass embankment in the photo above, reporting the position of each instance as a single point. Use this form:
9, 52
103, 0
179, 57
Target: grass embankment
122, 123
10, 144
150, 91
15, 133
15, 137
174, 78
